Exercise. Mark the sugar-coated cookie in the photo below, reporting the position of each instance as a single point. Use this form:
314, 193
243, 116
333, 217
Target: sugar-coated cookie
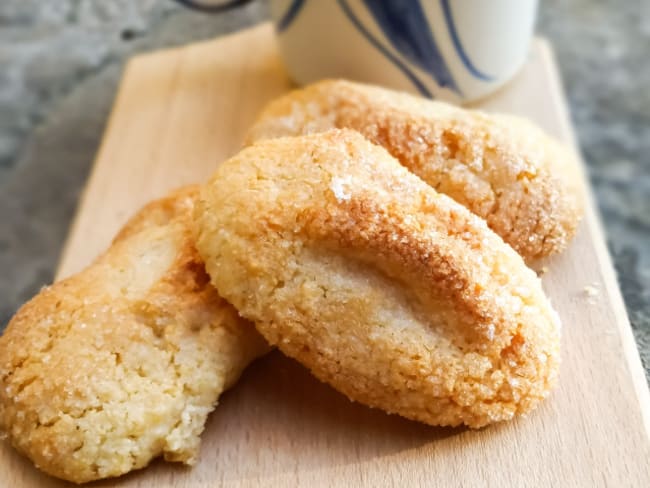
122, 362
503, 168
394, 294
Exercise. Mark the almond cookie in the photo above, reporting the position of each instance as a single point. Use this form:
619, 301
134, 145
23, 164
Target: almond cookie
394, 294
503, 168
103, 371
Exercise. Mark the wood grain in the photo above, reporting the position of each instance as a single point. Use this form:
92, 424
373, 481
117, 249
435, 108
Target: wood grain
177, 115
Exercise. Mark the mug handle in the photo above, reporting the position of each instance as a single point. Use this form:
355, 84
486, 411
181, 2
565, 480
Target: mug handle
214, 9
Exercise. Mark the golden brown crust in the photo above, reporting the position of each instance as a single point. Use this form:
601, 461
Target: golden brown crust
122, 362
501, 167
394, 294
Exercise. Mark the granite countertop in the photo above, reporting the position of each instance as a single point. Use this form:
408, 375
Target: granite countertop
60, 61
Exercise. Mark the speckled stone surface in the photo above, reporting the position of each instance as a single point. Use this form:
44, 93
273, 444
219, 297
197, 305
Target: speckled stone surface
60, 61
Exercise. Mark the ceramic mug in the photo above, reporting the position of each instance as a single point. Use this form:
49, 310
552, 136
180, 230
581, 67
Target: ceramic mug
458, 50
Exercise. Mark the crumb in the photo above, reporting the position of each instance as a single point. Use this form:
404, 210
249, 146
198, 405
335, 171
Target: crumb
542, 271
591, 291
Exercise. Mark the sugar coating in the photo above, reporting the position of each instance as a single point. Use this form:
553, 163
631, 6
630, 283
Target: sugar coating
122, 362
338, 186
504, 169
396, 295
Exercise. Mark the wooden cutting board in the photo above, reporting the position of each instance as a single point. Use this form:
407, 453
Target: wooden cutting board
179, 113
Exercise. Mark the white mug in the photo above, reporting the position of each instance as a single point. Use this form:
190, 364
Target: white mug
458, 50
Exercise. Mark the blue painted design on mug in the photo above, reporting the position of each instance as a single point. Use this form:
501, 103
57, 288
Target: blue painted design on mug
446, 7
404, 23
290, 15
390, 56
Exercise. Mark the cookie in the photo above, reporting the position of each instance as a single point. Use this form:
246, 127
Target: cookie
121, 363
503, 168
394, 294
